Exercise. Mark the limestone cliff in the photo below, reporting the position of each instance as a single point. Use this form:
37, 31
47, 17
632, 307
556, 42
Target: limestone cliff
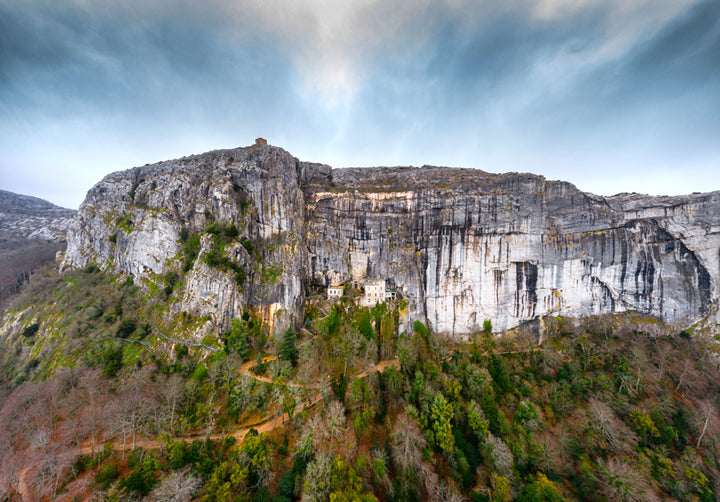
460, 245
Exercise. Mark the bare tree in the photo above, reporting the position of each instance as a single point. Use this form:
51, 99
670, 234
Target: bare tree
620, 483
174, 395
501, 458
618, 437
334, 423
180, 486
133, 408
408, 443
47, 478
706, 420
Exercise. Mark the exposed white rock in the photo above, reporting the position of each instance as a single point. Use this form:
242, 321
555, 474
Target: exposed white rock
460, 246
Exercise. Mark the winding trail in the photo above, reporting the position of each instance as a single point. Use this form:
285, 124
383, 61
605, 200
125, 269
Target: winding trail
268, 424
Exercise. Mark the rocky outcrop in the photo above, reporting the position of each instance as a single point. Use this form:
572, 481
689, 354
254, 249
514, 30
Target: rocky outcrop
25, 217
139, 221
460, 245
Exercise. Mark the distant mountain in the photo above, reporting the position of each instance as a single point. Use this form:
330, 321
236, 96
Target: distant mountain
32, 231
26, 217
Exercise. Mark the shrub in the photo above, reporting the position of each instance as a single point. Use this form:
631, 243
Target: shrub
421, 329
112, 361
171, 279
142, 478
127, 327
190, 252
248, 245
107, 474
231, 231
31, 330
487, 326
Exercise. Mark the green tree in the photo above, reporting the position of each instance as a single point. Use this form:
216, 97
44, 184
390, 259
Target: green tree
487, 326
364, 324
440, 415
288, 350
541, 490
421, 329
127, 327
236, 340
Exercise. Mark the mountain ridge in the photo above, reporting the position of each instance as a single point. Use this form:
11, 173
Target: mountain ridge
460, 245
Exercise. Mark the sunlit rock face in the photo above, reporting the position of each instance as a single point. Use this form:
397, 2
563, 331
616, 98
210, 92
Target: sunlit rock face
459, 245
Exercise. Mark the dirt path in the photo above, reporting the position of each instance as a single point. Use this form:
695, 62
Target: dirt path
23, 488
268, 424
245, 369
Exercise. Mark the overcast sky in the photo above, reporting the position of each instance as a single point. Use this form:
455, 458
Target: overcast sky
612, 95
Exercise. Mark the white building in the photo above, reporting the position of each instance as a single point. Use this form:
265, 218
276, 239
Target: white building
374, 293
334, 292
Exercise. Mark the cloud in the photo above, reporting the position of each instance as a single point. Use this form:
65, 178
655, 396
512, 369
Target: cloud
517, 84
331, 46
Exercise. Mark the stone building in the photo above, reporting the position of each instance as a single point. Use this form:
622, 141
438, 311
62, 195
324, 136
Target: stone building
334, 292
374, 293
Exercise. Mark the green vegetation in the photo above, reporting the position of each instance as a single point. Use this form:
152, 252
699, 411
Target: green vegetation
600, 411
487, 326
125, 223
190, 250
31, 330
171, 280
237, 339
221, 235
288, 350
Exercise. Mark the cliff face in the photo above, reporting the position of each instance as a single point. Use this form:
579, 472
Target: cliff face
134, 221
460, 245
464, 246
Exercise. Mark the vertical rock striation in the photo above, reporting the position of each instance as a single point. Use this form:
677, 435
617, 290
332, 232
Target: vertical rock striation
464, 246
460, 245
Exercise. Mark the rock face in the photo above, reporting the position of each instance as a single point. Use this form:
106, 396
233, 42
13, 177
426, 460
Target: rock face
459, 245
26, 217
136, 221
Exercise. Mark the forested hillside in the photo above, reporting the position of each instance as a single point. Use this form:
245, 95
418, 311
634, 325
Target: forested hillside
107, 394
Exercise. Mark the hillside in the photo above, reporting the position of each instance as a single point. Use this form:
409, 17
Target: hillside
490, 337
26, 217
32, 231
99, 402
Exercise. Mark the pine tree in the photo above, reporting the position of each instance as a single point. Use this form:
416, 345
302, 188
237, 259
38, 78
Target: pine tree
288, 350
